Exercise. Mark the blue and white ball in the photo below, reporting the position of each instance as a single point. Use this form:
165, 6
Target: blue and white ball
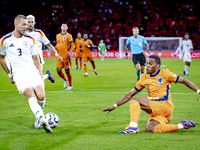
53, 119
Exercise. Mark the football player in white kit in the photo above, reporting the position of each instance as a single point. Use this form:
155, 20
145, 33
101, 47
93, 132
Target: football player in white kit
40, 38
24, 69
186, 46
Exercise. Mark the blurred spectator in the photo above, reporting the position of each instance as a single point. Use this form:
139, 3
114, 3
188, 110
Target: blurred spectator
109, 19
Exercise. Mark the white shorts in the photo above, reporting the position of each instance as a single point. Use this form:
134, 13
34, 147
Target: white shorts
27, 79
187, 58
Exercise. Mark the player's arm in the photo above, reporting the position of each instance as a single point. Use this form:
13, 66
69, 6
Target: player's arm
189, 84
147, 46
52, 49
4, 66
123, 100
72, 46
37, 63
126, 51
178, 49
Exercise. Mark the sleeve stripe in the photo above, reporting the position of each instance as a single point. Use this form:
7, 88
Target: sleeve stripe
177, 79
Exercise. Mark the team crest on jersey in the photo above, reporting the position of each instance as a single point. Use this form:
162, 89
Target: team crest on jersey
64, 38
160, 80
86, 42
25, 43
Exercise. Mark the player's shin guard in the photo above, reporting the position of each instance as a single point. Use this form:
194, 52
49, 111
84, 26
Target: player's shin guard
81, 64
35, 107
41, 103
165, 128
62, 76
85, 68
135, 110
138, 74
70, 79
93, 65
76, 63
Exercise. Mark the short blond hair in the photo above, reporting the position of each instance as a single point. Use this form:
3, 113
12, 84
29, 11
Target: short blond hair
135, 28
30, 17
18, 18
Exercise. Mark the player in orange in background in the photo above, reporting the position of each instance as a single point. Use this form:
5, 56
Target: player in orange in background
78, 52
64, 40
86, 44
158, 105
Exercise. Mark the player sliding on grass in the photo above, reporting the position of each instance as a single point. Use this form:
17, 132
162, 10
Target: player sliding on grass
21, 53
158, 105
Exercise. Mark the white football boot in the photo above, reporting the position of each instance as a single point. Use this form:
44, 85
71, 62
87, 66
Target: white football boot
45, 125
65, 84
69, 88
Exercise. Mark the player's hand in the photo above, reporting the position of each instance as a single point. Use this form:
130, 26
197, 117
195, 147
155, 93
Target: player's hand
109, 109
105, 51
174, 55
148, 51
60, 58
11, 81
67, 54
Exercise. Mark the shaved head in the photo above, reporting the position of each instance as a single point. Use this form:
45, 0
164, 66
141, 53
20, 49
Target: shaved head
18, 18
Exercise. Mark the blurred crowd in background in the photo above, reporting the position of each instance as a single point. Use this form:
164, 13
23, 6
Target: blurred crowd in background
108, 20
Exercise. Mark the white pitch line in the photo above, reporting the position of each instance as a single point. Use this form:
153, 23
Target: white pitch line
95, 92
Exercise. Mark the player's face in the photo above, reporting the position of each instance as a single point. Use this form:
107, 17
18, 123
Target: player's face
152, 66
135, 32
101, 41
85, 36
64, 27
186, 37
31, 24
21, 27
79, 35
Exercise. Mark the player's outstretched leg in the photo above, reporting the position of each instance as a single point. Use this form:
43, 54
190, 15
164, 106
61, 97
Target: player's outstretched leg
129, 129
50, 77
187, 124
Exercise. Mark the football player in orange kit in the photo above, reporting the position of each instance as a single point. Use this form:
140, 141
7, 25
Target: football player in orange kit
64, 40
78, 52
158, 105
86, 44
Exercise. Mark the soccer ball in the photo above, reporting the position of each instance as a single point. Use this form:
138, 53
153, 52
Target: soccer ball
53, 119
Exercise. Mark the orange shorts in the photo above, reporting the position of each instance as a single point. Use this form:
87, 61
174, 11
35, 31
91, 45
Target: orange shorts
161, 110
87, 57
66, 63
79, 54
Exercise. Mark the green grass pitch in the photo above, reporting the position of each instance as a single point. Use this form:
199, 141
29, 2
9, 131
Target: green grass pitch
83, 125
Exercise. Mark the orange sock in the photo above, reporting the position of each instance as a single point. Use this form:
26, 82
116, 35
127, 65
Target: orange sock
62, 76
135, 111
76, 62
93, 65
85, 68
81, 64
70, 79
165, 128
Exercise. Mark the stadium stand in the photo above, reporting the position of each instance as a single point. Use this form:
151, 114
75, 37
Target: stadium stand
109, 19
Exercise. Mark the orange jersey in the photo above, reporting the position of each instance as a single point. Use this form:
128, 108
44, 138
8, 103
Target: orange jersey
78, 44
85, 49
63, 42
158, 85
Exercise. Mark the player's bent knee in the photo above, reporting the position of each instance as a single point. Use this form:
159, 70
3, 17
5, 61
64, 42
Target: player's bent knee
150, 125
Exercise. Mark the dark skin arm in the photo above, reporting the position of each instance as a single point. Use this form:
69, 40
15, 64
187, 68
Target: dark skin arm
187, 83
123, 100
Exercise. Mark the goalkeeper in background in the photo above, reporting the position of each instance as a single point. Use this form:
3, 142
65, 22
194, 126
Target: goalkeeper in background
102, 48
137, 41
186, 46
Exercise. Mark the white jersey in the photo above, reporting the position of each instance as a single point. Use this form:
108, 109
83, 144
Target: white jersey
185, 46
18, 52
40, 38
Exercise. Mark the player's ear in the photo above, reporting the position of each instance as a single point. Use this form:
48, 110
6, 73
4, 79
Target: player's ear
34, 23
